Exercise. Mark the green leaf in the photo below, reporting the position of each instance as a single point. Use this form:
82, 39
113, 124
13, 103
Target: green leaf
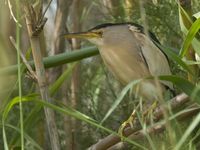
188, 132
120, 98
191, 62
196, 45
189, 37
64, 110
183, 84
78, 115
186, 17
15, 101
56, 60
27, 137
196, 15
195, 95
186, 86
7, 109
65, 75
173, 56
195, 42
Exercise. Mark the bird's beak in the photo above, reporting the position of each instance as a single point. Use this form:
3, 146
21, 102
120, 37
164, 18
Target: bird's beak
84, 35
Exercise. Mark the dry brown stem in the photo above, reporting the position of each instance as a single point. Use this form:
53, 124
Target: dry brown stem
175, 103
35, 25
156, 128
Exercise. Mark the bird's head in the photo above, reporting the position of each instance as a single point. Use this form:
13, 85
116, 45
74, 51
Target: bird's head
104, 34
94, 35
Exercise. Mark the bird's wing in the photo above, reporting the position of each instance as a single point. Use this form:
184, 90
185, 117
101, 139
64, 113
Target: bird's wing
154, 57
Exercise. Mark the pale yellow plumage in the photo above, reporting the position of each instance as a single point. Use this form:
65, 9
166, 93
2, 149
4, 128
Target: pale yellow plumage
130, 55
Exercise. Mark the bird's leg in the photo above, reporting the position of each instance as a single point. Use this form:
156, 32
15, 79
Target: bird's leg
128, 122
146, 116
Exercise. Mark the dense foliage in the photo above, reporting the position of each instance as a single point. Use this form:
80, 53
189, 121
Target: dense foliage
83, 92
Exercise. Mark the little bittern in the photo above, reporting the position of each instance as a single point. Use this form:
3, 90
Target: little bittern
130, 55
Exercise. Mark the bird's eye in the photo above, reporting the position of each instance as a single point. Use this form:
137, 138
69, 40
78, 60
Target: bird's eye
100, 33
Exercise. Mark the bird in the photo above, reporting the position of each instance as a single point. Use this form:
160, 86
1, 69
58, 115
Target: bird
130, 54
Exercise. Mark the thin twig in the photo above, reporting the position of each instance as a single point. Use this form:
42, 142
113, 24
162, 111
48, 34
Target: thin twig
48, 5
12, 14
24, 59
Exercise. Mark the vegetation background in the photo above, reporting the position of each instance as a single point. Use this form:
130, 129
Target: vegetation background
75, 88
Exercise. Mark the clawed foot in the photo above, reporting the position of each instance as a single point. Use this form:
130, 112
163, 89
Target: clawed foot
146, 117
128, 122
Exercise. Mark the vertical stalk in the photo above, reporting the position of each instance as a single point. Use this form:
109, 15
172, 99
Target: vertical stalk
19, 75
43, 86
75, 81
58, 46
31, 23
